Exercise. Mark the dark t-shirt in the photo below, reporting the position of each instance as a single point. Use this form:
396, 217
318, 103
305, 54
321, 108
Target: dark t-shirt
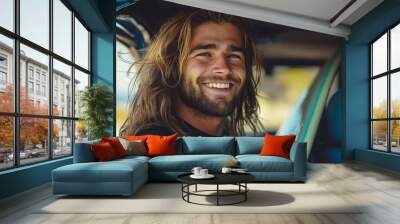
158, 128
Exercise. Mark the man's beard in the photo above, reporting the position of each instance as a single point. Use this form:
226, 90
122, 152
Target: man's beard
195, 98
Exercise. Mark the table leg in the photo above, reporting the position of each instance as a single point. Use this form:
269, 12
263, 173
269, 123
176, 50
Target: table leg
217, 194
196, 188
245, 191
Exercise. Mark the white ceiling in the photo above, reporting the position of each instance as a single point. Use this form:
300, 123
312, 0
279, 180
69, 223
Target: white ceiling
319, 9
314, 15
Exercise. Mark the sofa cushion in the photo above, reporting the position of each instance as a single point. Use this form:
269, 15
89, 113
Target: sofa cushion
116, 145
161, 145
249, 145
206, 145
83, 152
277, 145
257, 163
134, 147
185, 163
112, 171
103, 151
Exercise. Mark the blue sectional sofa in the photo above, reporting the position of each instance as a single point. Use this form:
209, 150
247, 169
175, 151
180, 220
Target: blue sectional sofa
125, 176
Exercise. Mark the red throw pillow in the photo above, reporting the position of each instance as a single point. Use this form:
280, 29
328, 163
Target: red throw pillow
135, 138
116, 145
103, 151
277, 145
161, 145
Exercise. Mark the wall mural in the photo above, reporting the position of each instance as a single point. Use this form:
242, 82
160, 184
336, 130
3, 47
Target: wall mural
200, 73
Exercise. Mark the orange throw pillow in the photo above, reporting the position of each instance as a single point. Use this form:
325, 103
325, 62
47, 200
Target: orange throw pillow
161, 145
103, 151
135, 138
277, 145
116, 145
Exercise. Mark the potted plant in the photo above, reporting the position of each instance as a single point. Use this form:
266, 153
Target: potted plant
96, 102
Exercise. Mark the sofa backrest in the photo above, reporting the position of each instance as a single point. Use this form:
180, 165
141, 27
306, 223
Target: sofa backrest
249, 145
206, 145
83, 152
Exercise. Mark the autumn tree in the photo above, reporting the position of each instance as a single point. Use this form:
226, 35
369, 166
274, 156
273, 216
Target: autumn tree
380, 127
33, 131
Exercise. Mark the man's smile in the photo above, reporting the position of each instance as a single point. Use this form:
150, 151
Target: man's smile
218, 85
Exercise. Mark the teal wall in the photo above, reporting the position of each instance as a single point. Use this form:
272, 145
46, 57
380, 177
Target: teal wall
103, 63
357, 85
24, 178
99, 16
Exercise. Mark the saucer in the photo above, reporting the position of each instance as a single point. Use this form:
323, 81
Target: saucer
208, 176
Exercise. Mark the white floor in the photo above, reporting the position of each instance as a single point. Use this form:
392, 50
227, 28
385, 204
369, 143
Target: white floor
378, 190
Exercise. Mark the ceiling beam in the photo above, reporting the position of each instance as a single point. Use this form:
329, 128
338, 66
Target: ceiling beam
346, 12
268, 15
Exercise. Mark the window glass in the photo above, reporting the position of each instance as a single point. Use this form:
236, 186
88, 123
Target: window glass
395, 47
7, 14
379, 56
379, 135
62, 137
81, 131
395, 136
62, 29
62, 91
81, 45
34, 21
33, 140
34, 81
395, 94
6, 74
6, 142
81, 82
379, 98
39, 61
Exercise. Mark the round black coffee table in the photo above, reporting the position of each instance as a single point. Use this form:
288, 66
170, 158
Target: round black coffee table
238, 179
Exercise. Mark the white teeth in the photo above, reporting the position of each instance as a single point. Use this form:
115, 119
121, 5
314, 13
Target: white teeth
218, 85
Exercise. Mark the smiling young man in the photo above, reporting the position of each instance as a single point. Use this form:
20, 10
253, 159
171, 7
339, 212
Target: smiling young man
196, 79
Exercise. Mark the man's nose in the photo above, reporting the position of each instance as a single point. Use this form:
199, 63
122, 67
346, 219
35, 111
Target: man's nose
221, 66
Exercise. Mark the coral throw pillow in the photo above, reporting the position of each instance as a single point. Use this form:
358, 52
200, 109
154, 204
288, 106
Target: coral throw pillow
116, 145
161, 145
135, 138
277, 145
103, 152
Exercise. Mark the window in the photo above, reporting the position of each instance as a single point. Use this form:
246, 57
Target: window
38, 74
43, 90
3, 71
7, 14
30, 72
47, 36
385, 94
30, 87
38, 89
3, 61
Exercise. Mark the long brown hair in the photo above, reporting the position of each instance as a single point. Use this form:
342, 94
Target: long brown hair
155, 88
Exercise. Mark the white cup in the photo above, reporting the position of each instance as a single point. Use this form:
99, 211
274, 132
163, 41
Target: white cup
203, 172
196, 170
226, 170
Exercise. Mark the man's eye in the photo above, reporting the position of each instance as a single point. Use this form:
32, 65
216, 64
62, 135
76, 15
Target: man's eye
235, 57
204, 54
